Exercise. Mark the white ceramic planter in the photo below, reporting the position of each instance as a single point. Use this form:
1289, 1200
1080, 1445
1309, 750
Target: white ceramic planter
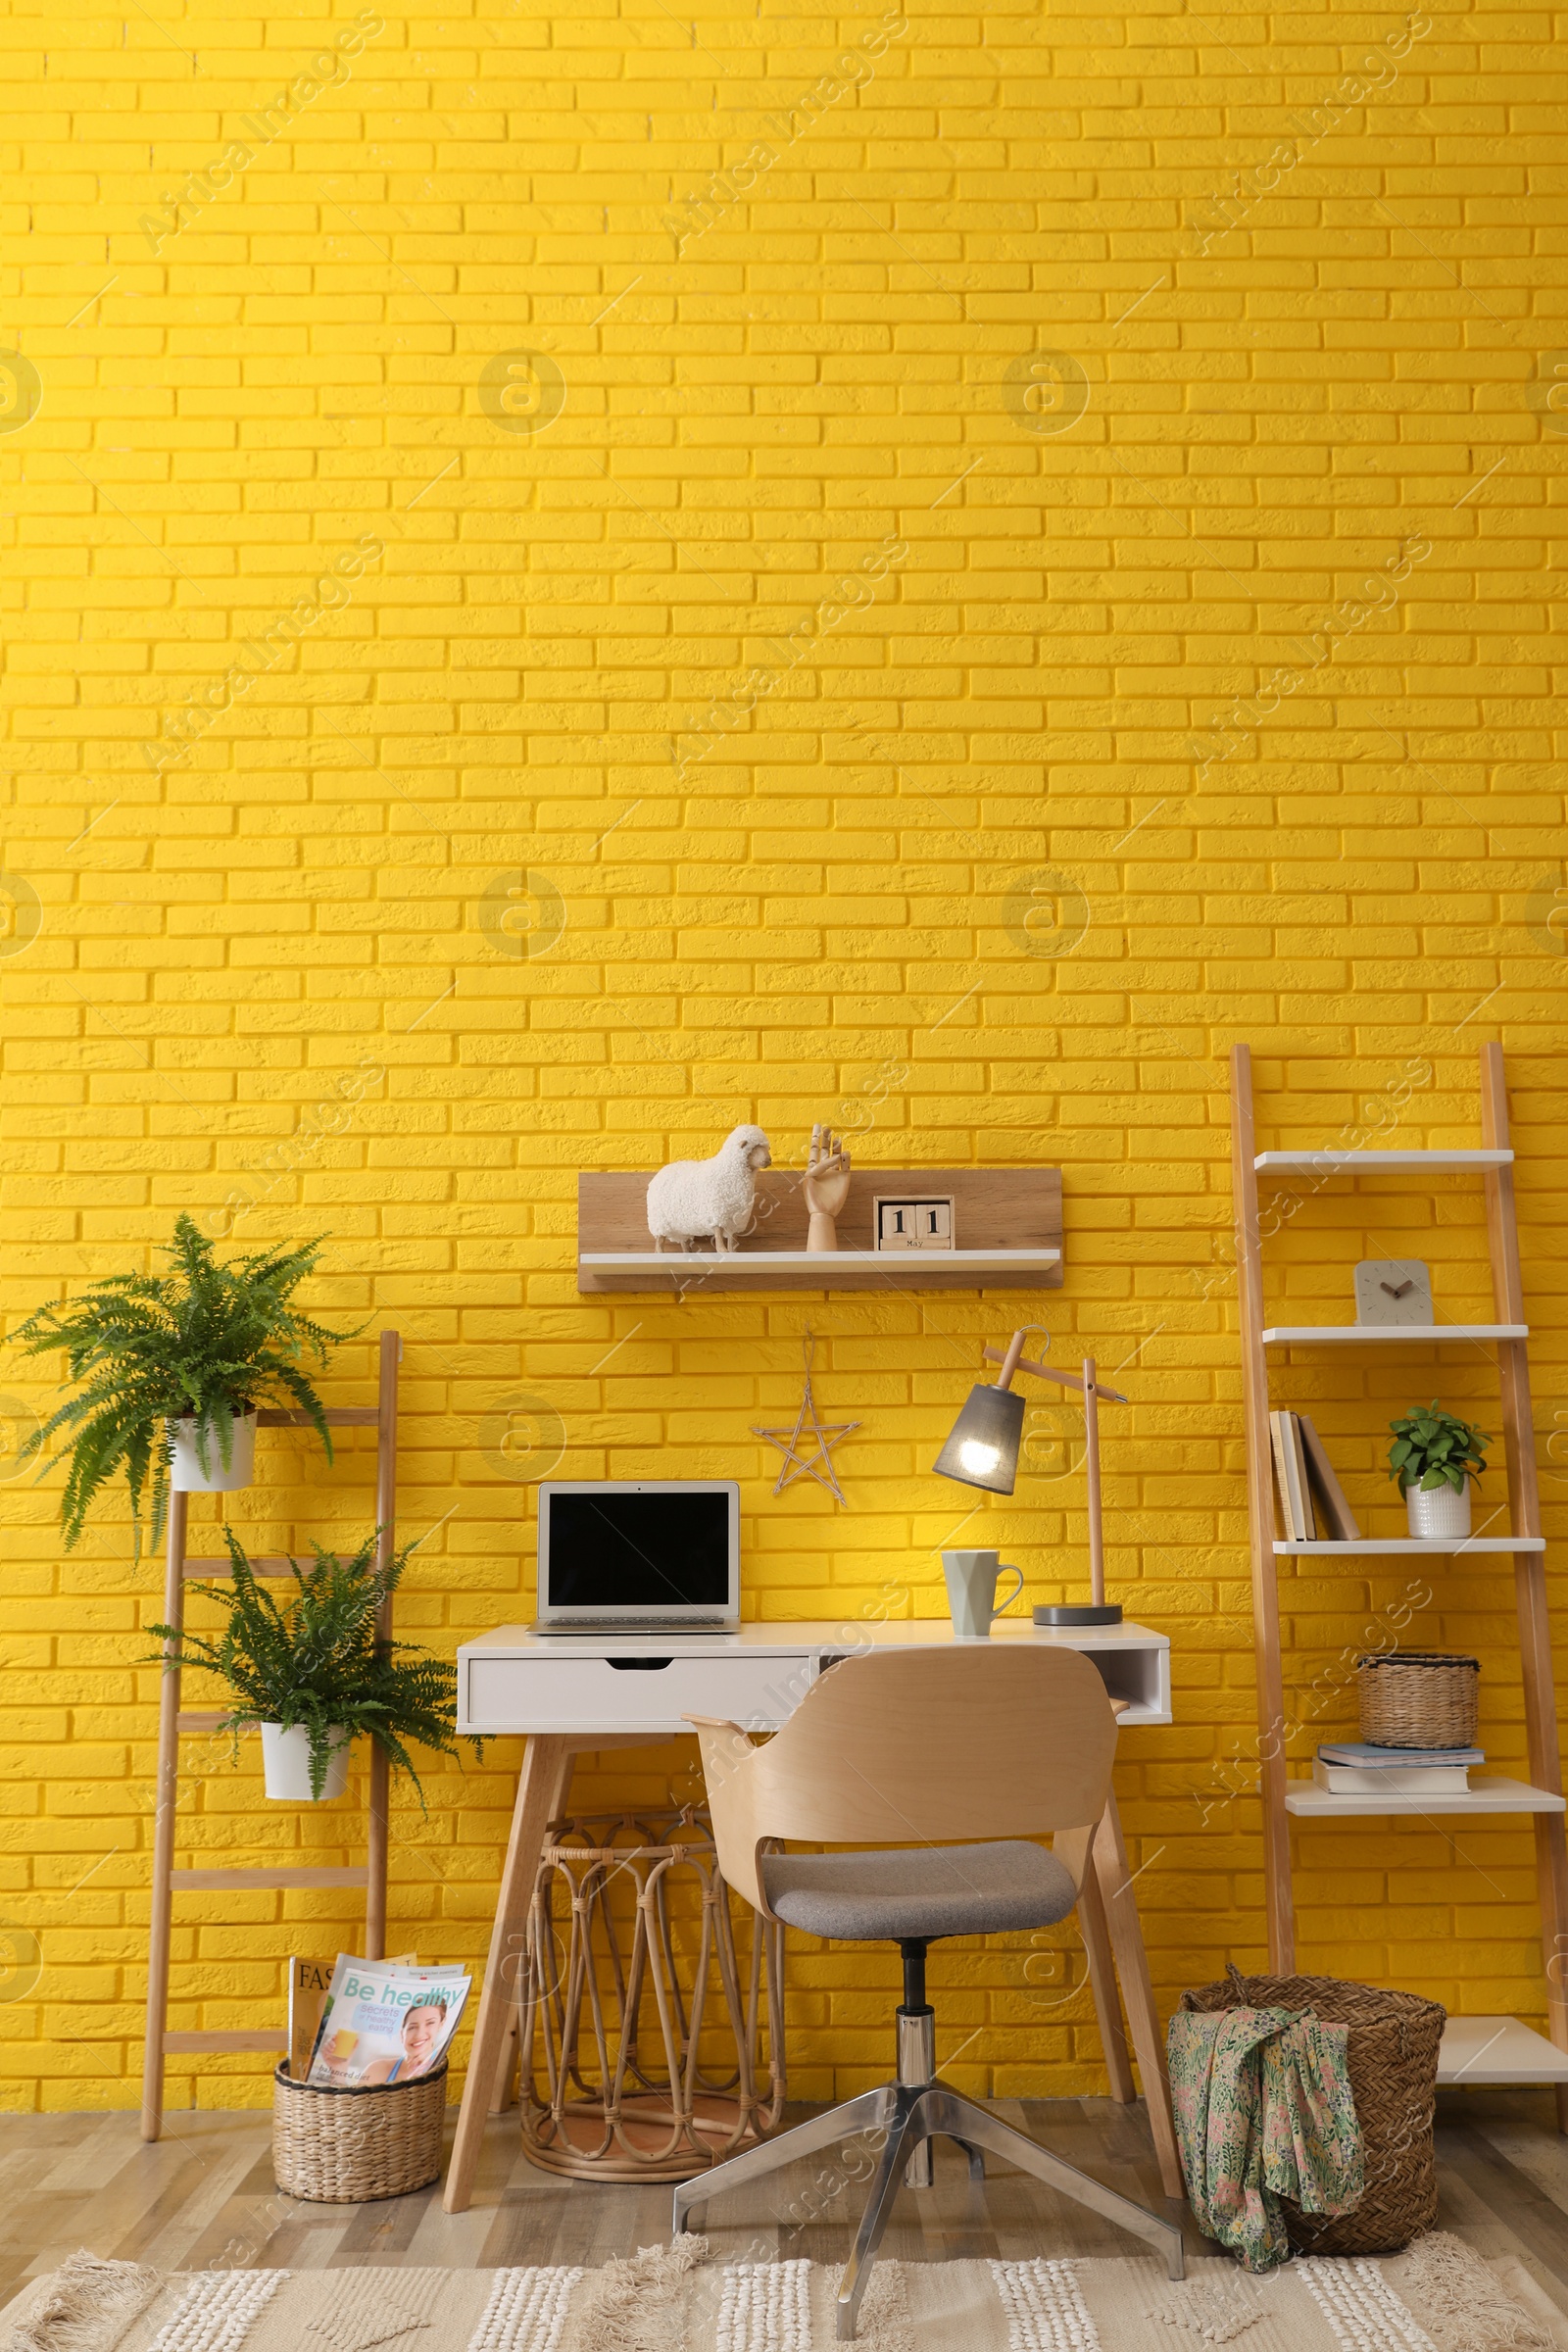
1441, 1512
286, 1762
186, 1475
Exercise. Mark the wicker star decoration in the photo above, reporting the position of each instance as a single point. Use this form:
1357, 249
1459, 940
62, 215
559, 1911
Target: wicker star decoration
823, 1434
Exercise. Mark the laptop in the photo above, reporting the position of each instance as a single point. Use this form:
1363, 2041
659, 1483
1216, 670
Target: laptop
632, 1555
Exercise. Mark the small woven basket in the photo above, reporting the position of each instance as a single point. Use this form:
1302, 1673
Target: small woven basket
348, 2147
1419, 1699
1392, 2055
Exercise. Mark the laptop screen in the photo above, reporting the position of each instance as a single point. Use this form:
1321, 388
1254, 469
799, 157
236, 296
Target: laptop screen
617, 1548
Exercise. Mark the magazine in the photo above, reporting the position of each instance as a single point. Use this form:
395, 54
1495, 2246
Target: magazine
309, 1984
386, 2024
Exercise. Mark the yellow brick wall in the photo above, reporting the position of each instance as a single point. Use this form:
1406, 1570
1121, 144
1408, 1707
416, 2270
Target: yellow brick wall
1041, 572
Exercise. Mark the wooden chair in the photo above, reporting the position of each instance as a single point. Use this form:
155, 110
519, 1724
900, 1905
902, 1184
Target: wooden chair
945, 1762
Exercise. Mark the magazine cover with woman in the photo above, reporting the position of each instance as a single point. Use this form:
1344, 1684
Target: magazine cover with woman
383, 2024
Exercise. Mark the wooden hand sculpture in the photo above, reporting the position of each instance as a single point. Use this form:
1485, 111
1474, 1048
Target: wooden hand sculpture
827, 1188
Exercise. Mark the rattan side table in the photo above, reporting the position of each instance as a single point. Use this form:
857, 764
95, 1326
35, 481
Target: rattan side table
651, 2035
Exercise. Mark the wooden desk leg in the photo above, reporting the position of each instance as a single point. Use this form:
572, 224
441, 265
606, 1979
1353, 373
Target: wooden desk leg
1132, 1966
1093, 1927
541, 1792
506, 2063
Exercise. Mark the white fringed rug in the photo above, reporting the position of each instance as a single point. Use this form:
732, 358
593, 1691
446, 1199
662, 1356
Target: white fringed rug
1437, 2297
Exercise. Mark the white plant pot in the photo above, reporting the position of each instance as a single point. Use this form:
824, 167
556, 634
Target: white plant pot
1441, 1513
286, 1762
186, 1475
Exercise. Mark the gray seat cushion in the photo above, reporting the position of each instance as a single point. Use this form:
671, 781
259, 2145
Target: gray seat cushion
918, 1892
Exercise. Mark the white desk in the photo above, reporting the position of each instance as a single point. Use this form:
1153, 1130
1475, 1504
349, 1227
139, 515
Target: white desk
517, 1681
572, 1693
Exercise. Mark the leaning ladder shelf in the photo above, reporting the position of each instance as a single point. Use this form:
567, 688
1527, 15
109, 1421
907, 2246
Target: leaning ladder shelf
1476, 2049
173, 1723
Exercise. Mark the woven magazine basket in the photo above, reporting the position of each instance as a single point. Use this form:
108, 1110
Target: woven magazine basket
347, 2147
1419, 1699
1392, 2052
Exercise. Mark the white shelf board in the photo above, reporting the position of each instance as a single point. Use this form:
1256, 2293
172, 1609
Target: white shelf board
829, 1269
1373, 1164
1478, 2050
805, 1261
1282, 1335
1305, 1797
1408, 1545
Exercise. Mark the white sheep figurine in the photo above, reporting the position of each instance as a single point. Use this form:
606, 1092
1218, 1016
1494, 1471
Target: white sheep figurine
692, 1197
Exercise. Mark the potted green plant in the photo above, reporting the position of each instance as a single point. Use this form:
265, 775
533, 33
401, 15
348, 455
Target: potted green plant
173, 1368
316, 1672
1434, 1457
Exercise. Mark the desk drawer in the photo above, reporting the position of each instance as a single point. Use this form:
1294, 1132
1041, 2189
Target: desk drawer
594, 1694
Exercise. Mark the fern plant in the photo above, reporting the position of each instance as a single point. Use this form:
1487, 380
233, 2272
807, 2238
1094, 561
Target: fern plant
208, 1337
1433, 1448
319, 1661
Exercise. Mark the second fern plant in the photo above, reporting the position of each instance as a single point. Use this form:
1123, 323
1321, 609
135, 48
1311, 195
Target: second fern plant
318, 1663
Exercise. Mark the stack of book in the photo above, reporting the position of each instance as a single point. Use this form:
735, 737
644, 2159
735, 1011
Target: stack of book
1305, 1482
1353, 1768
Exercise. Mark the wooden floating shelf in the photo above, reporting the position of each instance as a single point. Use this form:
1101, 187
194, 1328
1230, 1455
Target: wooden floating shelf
1482, 2050
1408, 1545
1006, 1220
1376, 1163
1305, 1797
1286, 1335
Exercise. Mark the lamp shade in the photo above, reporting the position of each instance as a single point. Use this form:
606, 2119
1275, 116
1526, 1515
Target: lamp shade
983, 1449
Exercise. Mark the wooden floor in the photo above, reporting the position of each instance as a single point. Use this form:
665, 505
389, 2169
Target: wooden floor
203, 2197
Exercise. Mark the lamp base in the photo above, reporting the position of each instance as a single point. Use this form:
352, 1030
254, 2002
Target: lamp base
1103, 1612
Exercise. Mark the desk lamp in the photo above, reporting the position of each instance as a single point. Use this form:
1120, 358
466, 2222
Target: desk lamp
981, 1451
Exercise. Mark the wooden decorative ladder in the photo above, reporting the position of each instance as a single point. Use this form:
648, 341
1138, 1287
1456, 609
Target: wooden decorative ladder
1477, 2050
168, 1881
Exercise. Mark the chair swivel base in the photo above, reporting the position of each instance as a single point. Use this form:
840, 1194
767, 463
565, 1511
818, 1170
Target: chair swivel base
911, 2115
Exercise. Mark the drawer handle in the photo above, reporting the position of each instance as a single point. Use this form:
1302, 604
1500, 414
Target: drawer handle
639, 1665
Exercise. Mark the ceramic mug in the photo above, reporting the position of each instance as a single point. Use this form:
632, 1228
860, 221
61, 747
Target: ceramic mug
972, 1592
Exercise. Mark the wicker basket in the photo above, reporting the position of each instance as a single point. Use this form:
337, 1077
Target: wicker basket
347, 2147
1419, 1699
1392, 2052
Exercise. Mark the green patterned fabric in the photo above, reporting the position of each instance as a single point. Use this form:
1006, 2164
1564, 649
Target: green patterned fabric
1263, 2110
